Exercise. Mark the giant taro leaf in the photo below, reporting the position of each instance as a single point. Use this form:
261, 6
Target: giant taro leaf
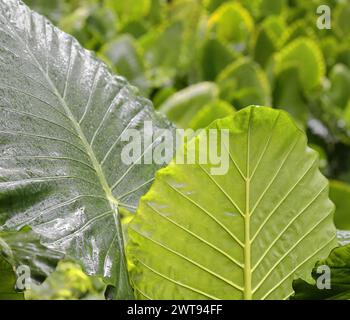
62, 117
268, 39
288, 94
311, 67
183, 105
246, 234
231, 22
212, 111
243, 82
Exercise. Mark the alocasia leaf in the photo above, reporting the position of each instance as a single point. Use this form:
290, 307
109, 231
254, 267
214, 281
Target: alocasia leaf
339, 192
338, 93
243, 83
330, 48
338, 287
268, 39
231, 22
311, 67
214, 57
23, 249
214, 110
299, 29
62, 115
246, 234
289, 96
184, 104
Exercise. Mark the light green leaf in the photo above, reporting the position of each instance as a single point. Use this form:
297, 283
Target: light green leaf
243, 83
289, 96
68, 282
330, 48
299, 29
212, 111
338, 93
339, 192
246, 234
62, 117
311, 67
123, 55
268, 39
231, 22
183, 105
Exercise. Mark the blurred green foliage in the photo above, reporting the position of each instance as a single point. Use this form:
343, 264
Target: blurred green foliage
68, 282
199, 60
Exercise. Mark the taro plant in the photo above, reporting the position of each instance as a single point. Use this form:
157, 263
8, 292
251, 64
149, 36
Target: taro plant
62, 117
259, 230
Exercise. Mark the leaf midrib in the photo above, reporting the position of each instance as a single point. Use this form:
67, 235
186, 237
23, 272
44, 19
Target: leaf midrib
247, 241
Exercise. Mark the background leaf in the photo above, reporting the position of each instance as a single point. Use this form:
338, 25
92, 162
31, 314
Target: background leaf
212, 111
23, 248
183, 105
339, 264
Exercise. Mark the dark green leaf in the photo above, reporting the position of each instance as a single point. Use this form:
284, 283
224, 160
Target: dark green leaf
62, 116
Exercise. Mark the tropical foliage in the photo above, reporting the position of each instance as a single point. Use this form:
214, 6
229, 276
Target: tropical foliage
260, 231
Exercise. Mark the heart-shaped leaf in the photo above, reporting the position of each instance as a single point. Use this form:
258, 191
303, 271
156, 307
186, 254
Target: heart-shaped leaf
311, 68
245, 234
243, 82
62, 116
